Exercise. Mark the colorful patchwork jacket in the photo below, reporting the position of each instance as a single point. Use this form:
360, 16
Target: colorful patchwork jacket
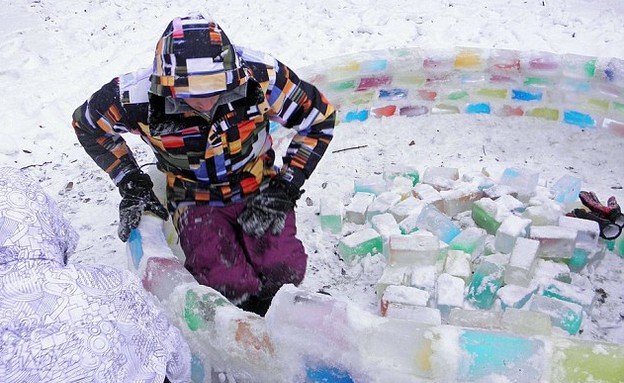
216, 158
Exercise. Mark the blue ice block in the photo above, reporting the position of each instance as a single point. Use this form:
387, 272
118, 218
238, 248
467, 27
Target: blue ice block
566, 189
579, 119
136, 247
478, 108
521, 95
378, 65
198, 373
438, 223
361, 115
392, 94
327, 374
484, 353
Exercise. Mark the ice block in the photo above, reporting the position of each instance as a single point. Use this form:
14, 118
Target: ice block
556, 242
374, 184
525, 322
413, 249
565, 315
163, 275
433, 220
471, 240
486, 280
568, 292
382, 203
523, 180
331, 212
441, 178
360, 244
449, 293
566, 189
522, 262
487, 320
576, 361
509, 231
356, 209
458, 264
514, 296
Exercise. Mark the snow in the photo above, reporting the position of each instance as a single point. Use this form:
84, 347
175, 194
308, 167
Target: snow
57, 53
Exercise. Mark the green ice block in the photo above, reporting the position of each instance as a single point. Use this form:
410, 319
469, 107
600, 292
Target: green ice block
545, 113
486, 280
576, 361
493, 93
199, 310
484, 220
331, 223
359, 245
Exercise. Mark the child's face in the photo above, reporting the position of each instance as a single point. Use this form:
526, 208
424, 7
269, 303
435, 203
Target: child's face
203, 104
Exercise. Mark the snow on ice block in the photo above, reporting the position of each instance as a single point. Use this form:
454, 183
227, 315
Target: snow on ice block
457, 264
489, 214
374, 184
509, 231
401, 170
580, 361
436, 222
556, 242
405, 208
459, 199
441, 178
570, 293
386, 225
499, 354
565, 315
163, 275
545, 214
566, 189
514, 296
404, 295
393, 276
413, 249
428, 194
522, 262
471, 240
356, 209
522, 180
587, 231
486, 280
423, 277
382, 203
525, 322
360, 244
449, 293
331, 211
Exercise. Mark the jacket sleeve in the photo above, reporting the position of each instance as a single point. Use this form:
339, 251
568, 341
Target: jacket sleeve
297, 104
98, 124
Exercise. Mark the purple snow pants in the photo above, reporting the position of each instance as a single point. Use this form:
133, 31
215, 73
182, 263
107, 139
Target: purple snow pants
220, 255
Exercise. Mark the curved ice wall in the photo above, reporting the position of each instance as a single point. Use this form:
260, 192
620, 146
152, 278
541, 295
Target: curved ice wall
584, 91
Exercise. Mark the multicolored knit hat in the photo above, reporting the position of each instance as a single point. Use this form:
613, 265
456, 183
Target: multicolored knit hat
194, 58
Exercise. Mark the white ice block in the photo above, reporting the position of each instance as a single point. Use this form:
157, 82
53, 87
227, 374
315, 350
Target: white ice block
449, 293
587, 231
555, 242
382, 203
566, 189
428, 194
418, 314
523, 180
406, 208
423, 277
526, 322
546, 213
510, 229
489, 320
458, 264
441, 178
393, 276
386, 225
413, 249
356, 209
522, 262
547, 269
405, 295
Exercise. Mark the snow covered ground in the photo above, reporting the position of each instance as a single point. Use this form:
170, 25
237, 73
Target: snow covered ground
56, 53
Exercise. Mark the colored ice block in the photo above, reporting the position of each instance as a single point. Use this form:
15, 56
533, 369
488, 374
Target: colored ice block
356, 115
522, 95
401, 170
478, 108
374, 82
471, 240
393, 94
523, 180
485, 215
331, 211
566, 189
163, 275
545, 113
136, 247
580, 119
384, 111
489, 353
581, 361
359, 245
569, 293
486, 280
200, 305
374, 184
514, 296
327, 374
413, 110
445, 109
522, 262
565, 315
436, 222
495, 93
355, 211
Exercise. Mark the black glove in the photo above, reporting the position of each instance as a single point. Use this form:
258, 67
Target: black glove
268, 209
136, 197
608, 229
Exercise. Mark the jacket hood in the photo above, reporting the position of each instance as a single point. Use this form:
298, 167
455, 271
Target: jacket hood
31, 225
194, 58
